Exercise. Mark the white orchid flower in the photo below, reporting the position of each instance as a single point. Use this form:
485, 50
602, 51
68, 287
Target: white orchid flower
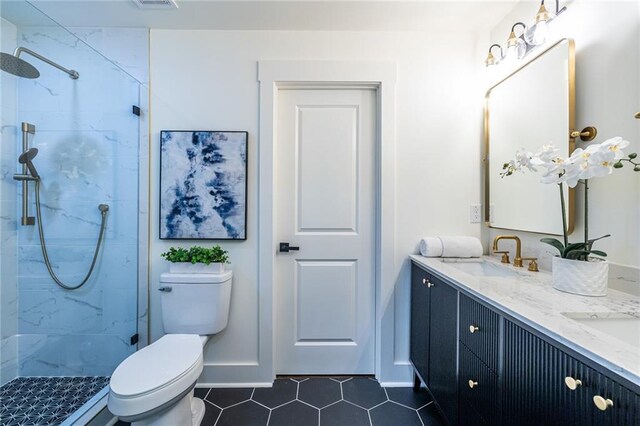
545, 156
600, 164
523, 159
615, 145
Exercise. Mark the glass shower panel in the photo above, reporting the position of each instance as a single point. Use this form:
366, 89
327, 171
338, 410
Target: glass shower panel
88, 142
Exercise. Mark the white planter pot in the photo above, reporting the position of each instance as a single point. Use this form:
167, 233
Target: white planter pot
195, 268
578, 277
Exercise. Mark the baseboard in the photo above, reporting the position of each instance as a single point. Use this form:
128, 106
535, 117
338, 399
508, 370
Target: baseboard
396, 384
235, 385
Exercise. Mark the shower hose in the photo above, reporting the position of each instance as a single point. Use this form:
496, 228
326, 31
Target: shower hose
103, 211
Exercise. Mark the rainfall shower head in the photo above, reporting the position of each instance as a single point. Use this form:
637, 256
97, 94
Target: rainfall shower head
26, 157
16, 66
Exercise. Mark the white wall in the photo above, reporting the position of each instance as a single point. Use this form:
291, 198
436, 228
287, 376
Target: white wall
208, 80
607, 37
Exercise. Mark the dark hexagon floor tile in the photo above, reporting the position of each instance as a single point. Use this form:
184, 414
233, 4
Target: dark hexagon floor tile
343, 413
226, 397
246, 414
431, 416
211, 414
409, 397
392, 414
319, 392
200, 392
283, 391
294, 413
363, 392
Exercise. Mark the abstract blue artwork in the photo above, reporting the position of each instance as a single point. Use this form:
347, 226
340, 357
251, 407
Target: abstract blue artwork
203, 185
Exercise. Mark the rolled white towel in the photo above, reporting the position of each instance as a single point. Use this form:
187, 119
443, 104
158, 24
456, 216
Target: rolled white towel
461, 247
431, 247
451, 247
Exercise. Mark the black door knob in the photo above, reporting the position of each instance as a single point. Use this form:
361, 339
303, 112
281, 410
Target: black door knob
286, 248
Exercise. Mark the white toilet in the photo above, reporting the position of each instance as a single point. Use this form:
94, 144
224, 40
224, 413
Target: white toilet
154, 386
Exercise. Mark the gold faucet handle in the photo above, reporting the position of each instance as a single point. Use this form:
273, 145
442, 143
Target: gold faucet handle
533, 264
505, 255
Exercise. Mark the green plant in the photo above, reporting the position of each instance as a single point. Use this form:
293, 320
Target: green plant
197, 254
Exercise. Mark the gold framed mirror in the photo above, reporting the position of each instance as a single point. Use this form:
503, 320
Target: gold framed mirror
533, 106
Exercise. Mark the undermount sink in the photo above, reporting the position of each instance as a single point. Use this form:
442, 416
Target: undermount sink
624, 327
481, 268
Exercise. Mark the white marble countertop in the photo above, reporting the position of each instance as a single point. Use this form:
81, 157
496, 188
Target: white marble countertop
529, 297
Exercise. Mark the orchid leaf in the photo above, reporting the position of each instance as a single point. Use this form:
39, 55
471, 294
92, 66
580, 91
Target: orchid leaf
578, 254
599, 253
591, 241
553, 242
573, 246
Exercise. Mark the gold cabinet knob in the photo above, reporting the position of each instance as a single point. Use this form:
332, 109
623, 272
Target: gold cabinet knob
473, 328
572, 383
602, 403
473, 384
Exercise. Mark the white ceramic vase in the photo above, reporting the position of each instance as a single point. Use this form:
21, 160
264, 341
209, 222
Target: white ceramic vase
579, 277
195, 268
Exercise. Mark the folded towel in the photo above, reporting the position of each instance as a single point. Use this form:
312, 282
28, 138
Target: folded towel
450, 247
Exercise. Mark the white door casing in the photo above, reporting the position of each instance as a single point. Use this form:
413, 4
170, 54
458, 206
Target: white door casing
325, 175
274, 75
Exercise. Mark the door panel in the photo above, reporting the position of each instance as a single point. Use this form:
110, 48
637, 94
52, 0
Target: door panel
325, 205
327, 196
326, 302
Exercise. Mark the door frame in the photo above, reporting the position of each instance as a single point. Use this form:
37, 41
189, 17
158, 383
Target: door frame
272, 77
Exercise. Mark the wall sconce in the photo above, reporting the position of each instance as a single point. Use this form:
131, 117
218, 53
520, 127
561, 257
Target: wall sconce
519, 45
492, 60
516, 45
537, 33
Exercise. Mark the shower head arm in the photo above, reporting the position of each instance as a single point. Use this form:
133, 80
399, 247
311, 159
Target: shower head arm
72, 73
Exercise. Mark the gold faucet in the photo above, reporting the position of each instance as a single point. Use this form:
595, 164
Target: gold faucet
505, 256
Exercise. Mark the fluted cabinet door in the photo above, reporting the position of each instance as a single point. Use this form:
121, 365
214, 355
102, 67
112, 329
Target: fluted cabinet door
625, 408
419, 347
443, 348
535, 389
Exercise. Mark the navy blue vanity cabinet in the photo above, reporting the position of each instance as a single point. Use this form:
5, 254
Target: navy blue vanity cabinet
443, 345
479, 362
434, 317
543, 385
420, 304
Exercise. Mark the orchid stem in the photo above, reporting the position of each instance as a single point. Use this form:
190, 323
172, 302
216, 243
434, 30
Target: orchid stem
586, 213
564, 215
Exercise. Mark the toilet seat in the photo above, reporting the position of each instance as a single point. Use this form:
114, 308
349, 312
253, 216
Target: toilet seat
156, 375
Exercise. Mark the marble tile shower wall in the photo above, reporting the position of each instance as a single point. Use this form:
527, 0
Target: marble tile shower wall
8, 227
89, 154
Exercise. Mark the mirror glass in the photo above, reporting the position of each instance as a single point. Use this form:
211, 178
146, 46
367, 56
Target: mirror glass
532, 107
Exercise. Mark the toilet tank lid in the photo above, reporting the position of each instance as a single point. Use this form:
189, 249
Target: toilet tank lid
170, 277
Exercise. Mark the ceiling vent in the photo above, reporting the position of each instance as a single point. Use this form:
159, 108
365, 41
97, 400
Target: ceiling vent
156, 4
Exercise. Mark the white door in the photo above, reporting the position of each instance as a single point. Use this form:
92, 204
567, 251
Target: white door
325, 291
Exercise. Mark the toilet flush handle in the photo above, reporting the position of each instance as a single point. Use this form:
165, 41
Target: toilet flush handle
165, 289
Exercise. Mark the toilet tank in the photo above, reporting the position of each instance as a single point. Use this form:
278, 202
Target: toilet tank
195, 303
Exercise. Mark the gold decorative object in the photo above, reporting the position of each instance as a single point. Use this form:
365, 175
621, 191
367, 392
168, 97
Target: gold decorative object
587, 134
572, 383
603, 404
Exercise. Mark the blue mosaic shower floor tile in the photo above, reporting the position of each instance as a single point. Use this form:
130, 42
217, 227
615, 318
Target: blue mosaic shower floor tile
45, 401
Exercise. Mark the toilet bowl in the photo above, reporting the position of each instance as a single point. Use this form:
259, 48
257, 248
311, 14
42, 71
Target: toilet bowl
154, 386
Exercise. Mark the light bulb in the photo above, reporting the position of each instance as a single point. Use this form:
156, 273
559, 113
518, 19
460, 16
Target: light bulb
541, 32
